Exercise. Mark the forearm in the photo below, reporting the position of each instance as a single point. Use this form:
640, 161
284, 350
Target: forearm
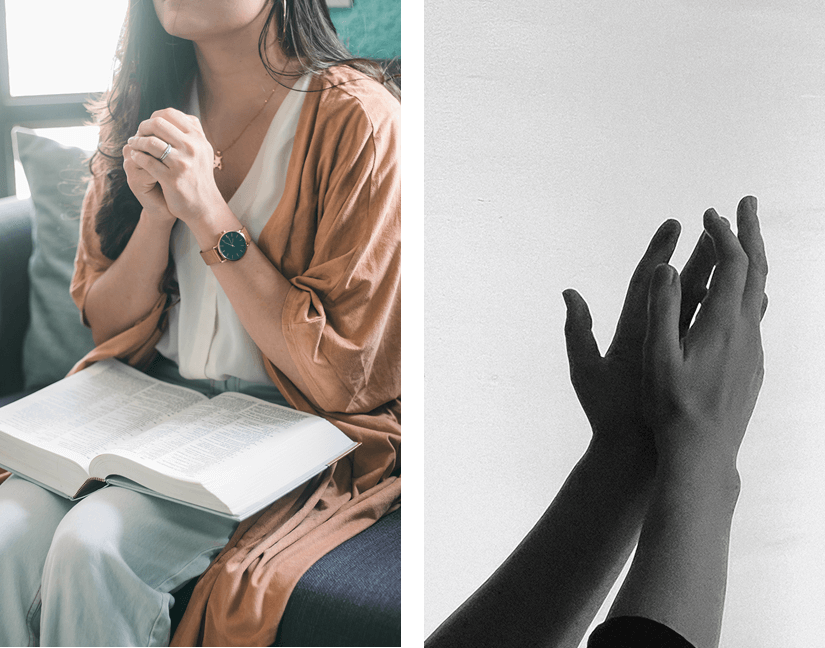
549, 589
131, 286
256, 290
679, 573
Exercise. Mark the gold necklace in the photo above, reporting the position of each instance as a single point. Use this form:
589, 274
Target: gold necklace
217, 161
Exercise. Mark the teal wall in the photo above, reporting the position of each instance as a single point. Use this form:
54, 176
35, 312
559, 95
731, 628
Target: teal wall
371, 28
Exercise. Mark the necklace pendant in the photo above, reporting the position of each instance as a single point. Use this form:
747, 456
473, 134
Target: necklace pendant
217, 162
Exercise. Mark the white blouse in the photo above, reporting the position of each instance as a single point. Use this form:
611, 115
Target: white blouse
204, 335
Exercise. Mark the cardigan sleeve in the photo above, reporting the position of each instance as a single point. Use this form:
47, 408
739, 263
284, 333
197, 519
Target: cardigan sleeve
341, 318
134, 345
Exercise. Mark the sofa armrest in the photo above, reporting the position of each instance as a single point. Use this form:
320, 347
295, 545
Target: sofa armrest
15, 250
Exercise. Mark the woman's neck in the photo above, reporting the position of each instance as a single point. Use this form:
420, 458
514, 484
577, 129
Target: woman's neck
232, 73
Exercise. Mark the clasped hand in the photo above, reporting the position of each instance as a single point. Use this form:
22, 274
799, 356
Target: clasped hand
183, 184
668, 385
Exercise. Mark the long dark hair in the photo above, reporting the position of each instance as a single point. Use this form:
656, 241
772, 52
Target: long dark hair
151, 69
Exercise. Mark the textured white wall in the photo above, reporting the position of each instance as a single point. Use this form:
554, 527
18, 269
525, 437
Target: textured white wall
558, 136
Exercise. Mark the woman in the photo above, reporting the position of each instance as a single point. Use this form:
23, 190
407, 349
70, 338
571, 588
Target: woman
241, 229
668, 405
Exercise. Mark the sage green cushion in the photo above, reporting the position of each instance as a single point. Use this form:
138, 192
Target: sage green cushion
56, 338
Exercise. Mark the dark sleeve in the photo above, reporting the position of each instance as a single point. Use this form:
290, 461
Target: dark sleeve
635, 632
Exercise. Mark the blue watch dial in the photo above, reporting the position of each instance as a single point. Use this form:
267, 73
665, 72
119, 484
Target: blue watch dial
232, 246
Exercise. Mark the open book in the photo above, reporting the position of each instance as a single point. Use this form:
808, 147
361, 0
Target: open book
232, 454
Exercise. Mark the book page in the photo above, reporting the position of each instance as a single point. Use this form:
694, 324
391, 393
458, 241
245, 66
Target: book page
233, 454
215, 432
90, 411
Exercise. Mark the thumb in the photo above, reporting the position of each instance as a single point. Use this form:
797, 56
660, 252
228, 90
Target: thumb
664, 299
578, 333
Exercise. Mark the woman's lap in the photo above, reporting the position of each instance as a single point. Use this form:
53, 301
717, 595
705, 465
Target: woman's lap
149, 533
104, 565
114, 556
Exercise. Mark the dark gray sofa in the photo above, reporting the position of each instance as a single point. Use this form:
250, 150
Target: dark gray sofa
351, 597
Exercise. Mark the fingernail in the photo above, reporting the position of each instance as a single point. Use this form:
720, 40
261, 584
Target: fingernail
751, 201
566, 296
130, 140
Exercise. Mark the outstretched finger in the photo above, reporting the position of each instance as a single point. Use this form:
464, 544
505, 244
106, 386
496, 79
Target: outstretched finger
578, 331
750, 237
728, 282
694, 280
662, 347
633, 319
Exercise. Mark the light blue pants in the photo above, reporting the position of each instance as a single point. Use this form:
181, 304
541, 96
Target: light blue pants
101, 571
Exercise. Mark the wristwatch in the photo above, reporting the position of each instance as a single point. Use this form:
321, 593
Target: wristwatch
231, 247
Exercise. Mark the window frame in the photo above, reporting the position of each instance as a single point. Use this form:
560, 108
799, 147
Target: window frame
34, 111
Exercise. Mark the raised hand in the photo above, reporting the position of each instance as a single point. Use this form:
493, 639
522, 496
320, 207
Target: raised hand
145, 187
609, 388
703, 387
550, 588
185, 176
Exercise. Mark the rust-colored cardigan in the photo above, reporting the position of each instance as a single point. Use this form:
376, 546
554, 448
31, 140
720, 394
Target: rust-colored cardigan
336, 236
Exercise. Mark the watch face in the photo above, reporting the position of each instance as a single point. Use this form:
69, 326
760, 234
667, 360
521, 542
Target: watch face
232, 246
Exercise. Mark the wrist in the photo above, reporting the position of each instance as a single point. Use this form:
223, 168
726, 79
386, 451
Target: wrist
637, 458
707, 444
707, 479
160, 221
207, 230
631, 440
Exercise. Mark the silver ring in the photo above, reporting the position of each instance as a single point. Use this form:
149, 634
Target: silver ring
165, 153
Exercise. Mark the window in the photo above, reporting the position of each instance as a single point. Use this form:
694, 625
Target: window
53, 55
71, 52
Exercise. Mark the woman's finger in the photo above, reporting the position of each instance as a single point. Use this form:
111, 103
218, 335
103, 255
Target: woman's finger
180, 120
154, 167
728, 282
662, 340
750, 237
152, 145
632, 321
162, 129
578, 330
694, 280
196, 123
129, 163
